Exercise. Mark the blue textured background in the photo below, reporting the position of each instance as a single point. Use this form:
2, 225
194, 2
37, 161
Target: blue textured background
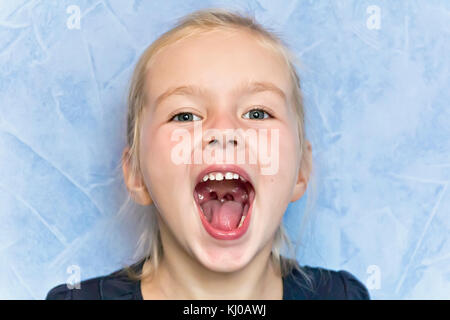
378, 113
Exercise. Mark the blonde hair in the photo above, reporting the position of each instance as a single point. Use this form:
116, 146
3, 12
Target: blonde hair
202, 21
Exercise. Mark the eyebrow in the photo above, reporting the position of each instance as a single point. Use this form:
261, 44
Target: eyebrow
247, 87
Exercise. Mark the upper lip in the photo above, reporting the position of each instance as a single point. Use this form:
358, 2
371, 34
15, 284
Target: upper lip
223, 168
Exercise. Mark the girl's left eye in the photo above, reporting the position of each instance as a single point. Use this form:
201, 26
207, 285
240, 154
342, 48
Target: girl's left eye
257, 114
185, 116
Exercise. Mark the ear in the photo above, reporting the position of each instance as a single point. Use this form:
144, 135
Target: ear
303, 173
135, 185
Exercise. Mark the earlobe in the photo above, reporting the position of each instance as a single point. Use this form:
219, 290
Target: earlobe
135, 184
303, 174
300, 187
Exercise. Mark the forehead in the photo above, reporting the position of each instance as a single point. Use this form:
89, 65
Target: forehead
219, 61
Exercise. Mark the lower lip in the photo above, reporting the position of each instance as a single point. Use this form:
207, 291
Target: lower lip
222, 234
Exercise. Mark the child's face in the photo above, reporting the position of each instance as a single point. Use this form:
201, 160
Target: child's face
219, 63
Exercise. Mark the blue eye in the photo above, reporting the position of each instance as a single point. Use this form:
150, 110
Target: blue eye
185, 116
256, 114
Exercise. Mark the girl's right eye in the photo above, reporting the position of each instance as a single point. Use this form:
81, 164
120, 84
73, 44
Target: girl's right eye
185, 116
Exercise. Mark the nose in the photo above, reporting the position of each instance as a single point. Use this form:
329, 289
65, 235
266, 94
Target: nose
224, 146
232, 141
222, 130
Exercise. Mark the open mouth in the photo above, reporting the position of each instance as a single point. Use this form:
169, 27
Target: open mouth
224, 199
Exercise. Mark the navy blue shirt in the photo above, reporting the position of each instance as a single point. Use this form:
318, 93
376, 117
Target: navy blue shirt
326, 284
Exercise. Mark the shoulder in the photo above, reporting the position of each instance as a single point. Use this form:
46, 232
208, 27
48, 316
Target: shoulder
115, 286
325, 284
85, 290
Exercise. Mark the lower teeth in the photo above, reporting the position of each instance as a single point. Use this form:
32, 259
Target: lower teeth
242, 221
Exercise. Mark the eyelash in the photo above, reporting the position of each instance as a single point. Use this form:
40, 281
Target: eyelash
262, 108
172, 117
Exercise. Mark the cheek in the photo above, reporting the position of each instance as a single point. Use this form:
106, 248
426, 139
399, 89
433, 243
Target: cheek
160, 172
156, 151
285, 151
278, 187
289, 147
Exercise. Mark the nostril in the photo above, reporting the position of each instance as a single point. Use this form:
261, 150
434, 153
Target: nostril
232, 140
213, 141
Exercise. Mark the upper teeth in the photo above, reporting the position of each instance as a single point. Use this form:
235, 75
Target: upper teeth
219, 176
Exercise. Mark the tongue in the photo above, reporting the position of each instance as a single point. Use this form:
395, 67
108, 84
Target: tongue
223, 215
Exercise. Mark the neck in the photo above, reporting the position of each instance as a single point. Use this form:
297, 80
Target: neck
181, 276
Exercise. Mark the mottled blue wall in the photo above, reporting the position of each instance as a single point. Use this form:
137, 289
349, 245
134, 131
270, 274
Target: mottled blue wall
377, 100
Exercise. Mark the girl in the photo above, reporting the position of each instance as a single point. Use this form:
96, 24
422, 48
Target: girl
217, 231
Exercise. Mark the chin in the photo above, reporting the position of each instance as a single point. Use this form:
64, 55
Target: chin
224, 259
